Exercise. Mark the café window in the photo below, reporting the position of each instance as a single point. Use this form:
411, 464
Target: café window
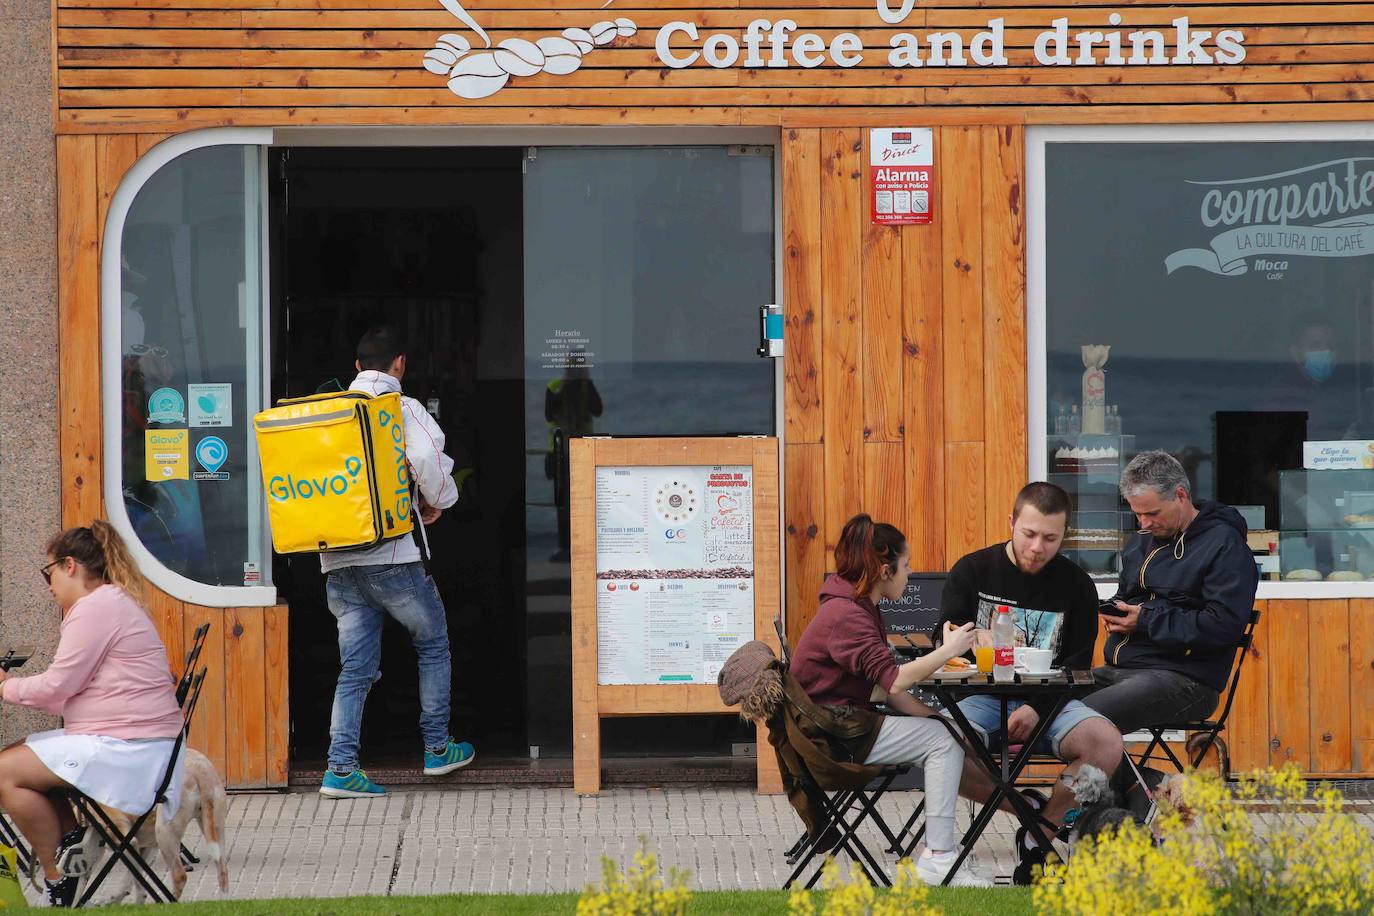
1209, 293
183, 362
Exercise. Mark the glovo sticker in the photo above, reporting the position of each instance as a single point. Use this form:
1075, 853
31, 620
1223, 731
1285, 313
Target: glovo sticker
167, 456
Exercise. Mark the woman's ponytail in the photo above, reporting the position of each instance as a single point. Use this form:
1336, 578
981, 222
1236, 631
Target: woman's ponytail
101, 552
119, 565
864, 550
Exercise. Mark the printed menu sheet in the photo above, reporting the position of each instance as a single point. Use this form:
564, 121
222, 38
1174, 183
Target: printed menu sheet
674, 571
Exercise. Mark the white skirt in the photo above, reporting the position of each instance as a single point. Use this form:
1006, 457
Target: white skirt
119, 774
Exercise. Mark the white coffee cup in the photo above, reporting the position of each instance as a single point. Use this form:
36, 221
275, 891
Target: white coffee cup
1038, 661
1020, 652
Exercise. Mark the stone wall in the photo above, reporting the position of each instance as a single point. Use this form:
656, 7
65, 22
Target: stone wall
30, 510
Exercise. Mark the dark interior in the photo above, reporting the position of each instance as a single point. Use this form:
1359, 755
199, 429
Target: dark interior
432, 241
423, 240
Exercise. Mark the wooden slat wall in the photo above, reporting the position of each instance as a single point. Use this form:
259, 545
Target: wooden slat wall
1304, 688
242, 721
138, 65
920, 416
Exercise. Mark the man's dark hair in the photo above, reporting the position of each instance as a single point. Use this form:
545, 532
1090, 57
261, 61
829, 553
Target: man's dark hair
379, 347
1047, 498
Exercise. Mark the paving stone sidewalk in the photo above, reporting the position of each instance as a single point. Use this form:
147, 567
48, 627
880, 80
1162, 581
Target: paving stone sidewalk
524, 841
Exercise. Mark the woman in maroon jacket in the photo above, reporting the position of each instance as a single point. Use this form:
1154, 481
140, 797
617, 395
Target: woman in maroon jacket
843, 659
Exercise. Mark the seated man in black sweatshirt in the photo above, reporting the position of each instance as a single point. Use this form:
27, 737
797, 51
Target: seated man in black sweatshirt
1187, 587
1054, 604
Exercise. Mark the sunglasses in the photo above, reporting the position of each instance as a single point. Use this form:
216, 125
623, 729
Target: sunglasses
46, 571
144, 349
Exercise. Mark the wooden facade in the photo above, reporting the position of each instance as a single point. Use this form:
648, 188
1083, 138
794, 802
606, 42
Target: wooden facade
241, 723
905, 348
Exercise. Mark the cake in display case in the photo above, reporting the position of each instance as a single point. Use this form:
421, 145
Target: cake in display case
1088, 466
1326, 525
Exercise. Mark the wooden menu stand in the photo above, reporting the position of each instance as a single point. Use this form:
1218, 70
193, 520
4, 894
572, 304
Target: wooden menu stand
593, 700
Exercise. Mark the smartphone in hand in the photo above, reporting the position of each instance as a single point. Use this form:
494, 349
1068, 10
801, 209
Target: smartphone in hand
1110, 609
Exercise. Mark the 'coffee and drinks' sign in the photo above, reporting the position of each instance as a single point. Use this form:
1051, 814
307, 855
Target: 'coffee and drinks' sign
475, 72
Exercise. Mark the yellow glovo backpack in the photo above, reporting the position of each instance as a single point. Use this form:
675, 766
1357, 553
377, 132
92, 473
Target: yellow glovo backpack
335, 471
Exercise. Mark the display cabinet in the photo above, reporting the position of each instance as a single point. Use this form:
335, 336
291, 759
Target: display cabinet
1326, 525
1088, 466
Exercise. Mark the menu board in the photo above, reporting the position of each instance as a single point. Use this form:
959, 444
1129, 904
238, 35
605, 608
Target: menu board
918, 610
674, 571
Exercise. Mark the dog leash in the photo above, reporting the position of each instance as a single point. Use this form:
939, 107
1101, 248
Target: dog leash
1149, 795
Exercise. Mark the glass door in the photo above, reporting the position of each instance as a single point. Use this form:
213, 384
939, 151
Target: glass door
644, 268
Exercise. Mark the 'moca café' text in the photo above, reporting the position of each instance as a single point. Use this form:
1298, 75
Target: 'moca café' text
778, 43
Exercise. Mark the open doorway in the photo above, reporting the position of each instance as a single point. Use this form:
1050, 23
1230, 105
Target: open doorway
424, 240
545, 294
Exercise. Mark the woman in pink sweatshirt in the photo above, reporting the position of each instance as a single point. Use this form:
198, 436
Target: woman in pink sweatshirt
111, 684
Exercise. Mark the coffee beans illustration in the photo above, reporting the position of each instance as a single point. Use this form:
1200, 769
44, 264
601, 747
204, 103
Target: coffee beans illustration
561, 56
580, 37
477, 74
519, 57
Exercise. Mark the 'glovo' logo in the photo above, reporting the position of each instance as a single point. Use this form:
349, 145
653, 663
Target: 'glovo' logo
398, 455
289, 487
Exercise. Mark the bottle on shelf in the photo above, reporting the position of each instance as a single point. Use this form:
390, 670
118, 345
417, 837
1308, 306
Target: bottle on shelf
1075, 422
1061, 421
1003, 646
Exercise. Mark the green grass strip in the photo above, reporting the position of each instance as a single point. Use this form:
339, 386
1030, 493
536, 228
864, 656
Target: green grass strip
955, 901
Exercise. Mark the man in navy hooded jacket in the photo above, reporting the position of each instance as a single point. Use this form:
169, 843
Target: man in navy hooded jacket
1187, 587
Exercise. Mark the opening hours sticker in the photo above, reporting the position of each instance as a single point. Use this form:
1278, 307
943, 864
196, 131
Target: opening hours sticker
901, 171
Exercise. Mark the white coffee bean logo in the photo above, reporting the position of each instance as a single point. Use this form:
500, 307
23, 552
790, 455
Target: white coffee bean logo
477, 74
445, 53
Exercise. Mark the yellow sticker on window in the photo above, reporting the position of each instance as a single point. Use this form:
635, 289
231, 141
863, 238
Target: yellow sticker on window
167, 455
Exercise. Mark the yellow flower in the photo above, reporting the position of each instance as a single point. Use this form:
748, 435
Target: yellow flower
640, 891
1233, 849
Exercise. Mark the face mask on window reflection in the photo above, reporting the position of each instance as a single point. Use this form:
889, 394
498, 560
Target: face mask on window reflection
1319, 364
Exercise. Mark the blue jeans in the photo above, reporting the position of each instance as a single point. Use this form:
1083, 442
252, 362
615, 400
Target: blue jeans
359, 597
985, 714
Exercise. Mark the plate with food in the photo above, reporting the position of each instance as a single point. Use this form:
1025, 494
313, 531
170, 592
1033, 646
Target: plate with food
957, 667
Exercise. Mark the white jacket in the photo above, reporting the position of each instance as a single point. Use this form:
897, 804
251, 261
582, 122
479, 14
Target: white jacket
430, 468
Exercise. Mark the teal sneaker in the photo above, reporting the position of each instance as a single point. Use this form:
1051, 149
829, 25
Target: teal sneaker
354, 785
456, 755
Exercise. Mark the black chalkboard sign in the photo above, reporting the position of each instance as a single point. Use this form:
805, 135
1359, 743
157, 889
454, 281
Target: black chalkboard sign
918, 610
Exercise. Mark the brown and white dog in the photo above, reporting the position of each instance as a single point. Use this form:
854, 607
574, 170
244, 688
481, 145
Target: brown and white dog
202, 798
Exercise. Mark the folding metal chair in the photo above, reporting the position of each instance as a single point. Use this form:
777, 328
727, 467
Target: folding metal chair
119, 842
183, 685
1209, 729
845, 811
9, 835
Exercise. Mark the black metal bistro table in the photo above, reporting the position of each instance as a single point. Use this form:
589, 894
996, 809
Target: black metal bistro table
1058, 687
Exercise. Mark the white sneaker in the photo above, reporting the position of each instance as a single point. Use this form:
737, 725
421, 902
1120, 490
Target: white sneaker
932, 868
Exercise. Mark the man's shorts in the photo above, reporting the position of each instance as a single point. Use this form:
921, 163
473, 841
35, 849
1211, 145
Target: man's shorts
985, 713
